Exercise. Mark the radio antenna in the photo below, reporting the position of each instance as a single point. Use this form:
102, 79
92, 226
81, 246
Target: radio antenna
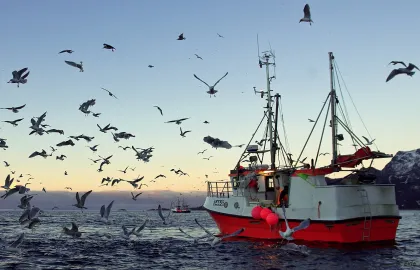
258, 55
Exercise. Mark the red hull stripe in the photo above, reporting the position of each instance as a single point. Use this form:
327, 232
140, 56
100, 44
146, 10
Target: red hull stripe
348, 232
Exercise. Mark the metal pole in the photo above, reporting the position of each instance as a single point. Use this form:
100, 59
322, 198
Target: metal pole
273, 153
333, 105
270, 119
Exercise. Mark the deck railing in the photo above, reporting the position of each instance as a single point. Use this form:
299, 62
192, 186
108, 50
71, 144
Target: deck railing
219, 189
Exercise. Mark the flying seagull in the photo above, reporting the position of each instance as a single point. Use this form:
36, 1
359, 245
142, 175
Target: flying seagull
220, 35
134, 197
109, 93
181, 37
159, 109
161, 215
81, 201
199, 57
211, 91
183, 132
73, 64
14, 109
106, 211
367, 140
178, 122
150, 66
108, 47
19, 77
14, 122
289, 232
307, 15
407, 70
66, 51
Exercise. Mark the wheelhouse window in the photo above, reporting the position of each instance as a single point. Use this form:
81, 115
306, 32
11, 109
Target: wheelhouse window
269, 183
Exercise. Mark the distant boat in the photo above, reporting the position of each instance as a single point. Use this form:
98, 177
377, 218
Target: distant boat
181, 208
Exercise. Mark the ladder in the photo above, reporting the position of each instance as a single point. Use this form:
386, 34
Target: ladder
367, 225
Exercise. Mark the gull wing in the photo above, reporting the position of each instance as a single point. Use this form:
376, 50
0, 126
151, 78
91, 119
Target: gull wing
285, 219
77, 198
220, 79
74, 227
83, 199
18, 242
393, 73
34, 212
102, 211
21, 107
20, 72
7, 182
108, 210
236, 233
204, 229
172, 121
73, 64
201, 80
412, 66
142, 226
307, 11
303, 225
24, 216
397, 62
160, 213
26, 75
367, 140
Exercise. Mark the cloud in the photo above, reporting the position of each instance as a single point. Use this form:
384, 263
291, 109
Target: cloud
148, 200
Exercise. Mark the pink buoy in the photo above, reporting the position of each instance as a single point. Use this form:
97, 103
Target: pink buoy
256, 212
272, 219
265, 212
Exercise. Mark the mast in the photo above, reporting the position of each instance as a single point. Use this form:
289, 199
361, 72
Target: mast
333, 99
266, 62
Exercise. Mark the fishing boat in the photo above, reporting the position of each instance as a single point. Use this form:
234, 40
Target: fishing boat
354, 212
181, 207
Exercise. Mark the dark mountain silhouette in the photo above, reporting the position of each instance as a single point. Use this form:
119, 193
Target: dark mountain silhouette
403, 171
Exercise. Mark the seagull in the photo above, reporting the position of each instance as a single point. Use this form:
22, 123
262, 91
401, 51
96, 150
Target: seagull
137, 232
196, 239
161, 215
178, 122
407, 70
206, 122
74, 231
73, 64
220, 35
323, 154
105, 212
96, 114
125, 170
310, 120
211, 91
66, 51
108, 47
160, 110
183, 132
367, 140
81, 201
15, 109
307, 15
208, 158
109, 93
397, 62
93, 148
19, 77
289, 232
239, 145
14, 122
181, 37
7, 182
202, 152
199, 57
150, 66
134, 197
65, 143
6, 164
218, 239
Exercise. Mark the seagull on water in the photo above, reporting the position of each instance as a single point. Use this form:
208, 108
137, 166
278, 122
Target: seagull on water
14, 109
81, 201
105, 212
306, 15
19, 77
73, 64
405, 70
74, 231
289, 232
218, 239
211, 91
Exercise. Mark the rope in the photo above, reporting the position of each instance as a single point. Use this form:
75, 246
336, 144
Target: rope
357, 111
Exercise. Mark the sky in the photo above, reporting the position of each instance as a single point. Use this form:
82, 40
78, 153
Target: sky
364, 37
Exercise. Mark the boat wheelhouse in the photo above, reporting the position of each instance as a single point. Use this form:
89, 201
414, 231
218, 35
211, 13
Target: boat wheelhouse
181, 207
355, 211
